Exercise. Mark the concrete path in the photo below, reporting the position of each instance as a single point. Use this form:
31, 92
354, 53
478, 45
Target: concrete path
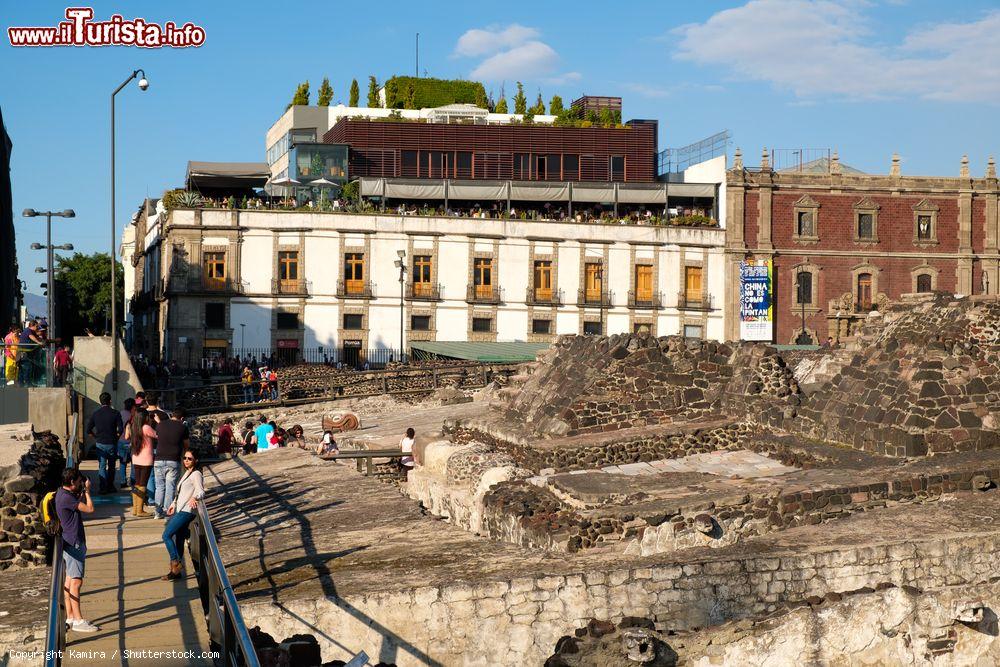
123, 593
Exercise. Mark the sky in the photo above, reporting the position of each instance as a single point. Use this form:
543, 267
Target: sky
864, 78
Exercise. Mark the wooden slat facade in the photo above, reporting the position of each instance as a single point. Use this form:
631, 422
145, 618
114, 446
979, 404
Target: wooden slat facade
521, 152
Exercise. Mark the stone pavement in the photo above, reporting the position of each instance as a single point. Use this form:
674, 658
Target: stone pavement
739, 463
123, 593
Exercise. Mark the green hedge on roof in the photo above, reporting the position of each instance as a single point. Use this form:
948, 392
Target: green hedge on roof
436, 92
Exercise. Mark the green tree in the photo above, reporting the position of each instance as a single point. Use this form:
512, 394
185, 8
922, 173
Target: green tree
301, 97
350, 191
501, 106
391, 94
411, 97
607, 117
481, 100
84, 291
539, 108
372, 92
520, 102
355, 94
555, 105
325, 93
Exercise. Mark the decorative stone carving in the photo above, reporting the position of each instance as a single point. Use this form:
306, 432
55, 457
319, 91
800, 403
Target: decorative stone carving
894, 169
639, 645
738, 159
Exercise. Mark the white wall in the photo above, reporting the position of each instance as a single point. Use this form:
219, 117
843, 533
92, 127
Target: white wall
711, 171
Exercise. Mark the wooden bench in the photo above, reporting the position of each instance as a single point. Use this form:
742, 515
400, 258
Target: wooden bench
366, 457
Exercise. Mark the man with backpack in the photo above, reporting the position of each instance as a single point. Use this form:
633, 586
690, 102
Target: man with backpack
72, 501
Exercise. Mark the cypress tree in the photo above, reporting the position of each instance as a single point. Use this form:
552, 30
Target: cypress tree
355, 93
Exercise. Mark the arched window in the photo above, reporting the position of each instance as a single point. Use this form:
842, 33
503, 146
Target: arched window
924, 282
804, 288
864, 291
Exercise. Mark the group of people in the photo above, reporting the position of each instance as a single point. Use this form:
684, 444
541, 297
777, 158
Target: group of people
259, 385
24, 350
164, 470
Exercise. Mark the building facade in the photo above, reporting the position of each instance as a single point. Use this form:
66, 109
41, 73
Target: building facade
10, 287
842, 244
216, 282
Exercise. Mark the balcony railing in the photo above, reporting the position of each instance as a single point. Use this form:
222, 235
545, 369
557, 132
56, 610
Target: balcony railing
589, 299
697, 302
178, 283
484, 294
423, 291
355, 289
543, 297
290, 287
645, 300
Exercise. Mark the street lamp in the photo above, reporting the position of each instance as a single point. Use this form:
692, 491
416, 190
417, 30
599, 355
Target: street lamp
50, 281
143, 85
401, 265
803, 338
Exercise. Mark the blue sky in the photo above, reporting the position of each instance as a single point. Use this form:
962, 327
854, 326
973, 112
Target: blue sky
865, 78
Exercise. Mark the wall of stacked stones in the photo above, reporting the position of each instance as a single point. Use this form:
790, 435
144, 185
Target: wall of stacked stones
23, 542
525, 617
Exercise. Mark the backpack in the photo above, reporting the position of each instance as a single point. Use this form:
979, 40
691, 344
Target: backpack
50, 519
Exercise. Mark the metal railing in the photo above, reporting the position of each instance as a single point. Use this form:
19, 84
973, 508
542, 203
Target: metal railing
603, 299
55, 629
423, 291
543, 297
226, 628
484, 294
645, 300
296, 287
361, 289
26, 365
698, 302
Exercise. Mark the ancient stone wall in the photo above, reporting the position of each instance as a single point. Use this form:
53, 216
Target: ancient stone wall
525, 617
22, 538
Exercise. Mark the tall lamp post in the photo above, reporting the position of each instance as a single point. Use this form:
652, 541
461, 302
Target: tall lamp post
401, 265
803, 338
50, 276
143, 85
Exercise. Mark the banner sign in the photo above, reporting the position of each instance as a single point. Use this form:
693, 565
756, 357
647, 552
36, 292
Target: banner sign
756, 300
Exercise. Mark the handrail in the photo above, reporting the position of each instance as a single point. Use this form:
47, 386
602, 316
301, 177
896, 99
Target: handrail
226, 626
55, 630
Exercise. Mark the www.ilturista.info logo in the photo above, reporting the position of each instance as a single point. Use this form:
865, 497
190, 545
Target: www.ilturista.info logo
80, 30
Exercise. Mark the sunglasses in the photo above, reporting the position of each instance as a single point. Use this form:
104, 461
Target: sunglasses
189, 458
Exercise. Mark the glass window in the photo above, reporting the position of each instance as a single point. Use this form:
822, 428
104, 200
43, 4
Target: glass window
692, 283
592, 328
924, 282
421, 275
593, 278
541, 326
215, 315
354, 266
804, 286
310, 161
924, 227
571, 167
553, 162
866, 227
420, 322
617, 167
287, 320
804, 224
482, 271
463, 164
409, 163
864, 302
288, 265
692, 331
522, 166
482, 324
543, 279
353, 321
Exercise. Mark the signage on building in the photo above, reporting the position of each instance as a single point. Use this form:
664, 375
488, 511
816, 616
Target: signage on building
287, 343
756, 300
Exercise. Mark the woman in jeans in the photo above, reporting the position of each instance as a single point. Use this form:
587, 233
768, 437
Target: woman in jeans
190, 489
141, 433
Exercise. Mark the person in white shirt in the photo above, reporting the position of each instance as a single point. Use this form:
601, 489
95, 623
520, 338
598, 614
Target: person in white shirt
406, 444
182, 512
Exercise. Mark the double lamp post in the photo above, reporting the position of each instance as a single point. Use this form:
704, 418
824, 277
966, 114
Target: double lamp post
49, 270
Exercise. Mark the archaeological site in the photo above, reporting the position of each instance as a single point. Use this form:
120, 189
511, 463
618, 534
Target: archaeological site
652, 501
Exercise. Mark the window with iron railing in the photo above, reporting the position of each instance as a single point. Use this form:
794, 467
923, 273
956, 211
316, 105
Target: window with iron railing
543, 280
482, 277
354, 272
421, 271
214, 270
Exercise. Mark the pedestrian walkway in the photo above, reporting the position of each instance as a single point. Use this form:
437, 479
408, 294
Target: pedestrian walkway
123, 593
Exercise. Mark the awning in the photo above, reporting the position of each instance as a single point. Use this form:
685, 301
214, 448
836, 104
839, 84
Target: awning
636, 194
487, 190
231, 175
372, 187
414, 189
539, 192
593, 193
691, 190
515, 352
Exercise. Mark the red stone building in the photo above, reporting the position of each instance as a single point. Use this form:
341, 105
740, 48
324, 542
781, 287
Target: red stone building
847, 242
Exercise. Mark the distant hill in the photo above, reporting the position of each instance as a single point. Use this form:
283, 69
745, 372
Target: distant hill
36, 305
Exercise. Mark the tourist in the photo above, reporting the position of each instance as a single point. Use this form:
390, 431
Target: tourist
140, 400
277, 438
124, 451
105, 424
172, 438
406, 444
328, 446
72, 502
10, 354
141, 435
272, 381
224, 441
62, 362
246, 439
246, 380
262, 435
28, 342
182, 512
153, 406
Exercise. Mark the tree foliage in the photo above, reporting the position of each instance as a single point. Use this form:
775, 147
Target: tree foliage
85, 293
555, 105
520, 101
429, 92
301, 97
372, 92
325, 93
502, 106
411, 97
481, 100
391, 94
539, 108
355, 94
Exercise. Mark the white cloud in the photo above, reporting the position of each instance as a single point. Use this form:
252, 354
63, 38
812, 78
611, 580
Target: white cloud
481, 42
655, 91
829, 49
511, 52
